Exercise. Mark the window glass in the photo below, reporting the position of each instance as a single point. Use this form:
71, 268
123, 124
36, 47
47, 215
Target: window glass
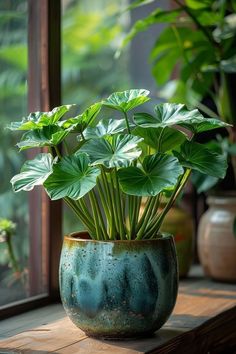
22, 269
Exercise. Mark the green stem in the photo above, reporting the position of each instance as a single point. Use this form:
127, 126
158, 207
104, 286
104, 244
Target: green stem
104, 200
82, 205
127, 122
14, 263
66, 147
113, 229
159, 140
179, 187
197, 23
58, 152
99, 234
131, 216
118, 199
146, 218
79, 213
145, 211
98, 217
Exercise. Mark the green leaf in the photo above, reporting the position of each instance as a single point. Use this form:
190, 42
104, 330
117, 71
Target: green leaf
196, 4
197, 157
157, 16
168, 114
82, 121
203, 182
37, 120
72, 177
47, 136
165, 138
104, 128
119, 151
33, 173
227, 29
229, 65
158, 173
126, 100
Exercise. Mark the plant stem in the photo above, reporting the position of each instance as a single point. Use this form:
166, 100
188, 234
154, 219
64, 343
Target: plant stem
14, 263
79, 213
82, 205
197, 23
104, 200
113, 229
58, 152
146, 219
99, 223
145, 211
179, 186
120, 215
127, 122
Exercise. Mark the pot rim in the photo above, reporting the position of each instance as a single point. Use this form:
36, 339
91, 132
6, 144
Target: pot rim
82, 236
221, 199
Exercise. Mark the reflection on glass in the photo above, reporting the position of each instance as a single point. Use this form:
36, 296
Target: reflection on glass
16, 263
91, 35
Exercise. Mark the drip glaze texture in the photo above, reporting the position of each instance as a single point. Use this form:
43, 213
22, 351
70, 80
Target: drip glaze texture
120, 289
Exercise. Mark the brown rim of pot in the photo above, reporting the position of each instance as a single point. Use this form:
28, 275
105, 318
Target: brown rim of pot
83, 236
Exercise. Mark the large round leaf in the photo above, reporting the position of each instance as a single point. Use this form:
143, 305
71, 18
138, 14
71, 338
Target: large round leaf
119, 151
126, 100
47, 136
197, 157
104, 128
80, 122
158, 173
164, 138
33, 173
38, 120
169, 114
72, 177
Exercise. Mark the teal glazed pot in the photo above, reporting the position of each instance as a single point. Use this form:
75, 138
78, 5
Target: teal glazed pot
118, 289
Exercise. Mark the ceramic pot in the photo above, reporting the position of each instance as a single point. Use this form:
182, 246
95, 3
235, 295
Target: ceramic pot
216, 241
118, 289
180, 224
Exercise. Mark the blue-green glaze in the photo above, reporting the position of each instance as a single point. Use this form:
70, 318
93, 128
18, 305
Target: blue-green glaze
118, 289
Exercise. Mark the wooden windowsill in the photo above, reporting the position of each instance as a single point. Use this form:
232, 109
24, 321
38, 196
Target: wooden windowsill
204, 320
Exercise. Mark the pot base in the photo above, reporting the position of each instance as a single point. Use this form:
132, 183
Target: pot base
121, 337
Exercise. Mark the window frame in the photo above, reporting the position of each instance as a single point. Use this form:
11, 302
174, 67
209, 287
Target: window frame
44, 93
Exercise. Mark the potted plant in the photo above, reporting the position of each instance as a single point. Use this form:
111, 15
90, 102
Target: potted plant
114, 276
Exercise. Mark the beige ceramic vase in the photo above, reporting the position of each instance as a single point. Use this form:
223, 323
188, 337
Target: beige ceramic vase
216, 240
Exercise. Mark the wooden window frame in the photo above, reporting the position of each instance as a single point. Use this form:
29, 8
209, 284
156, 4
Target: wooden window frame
44, 93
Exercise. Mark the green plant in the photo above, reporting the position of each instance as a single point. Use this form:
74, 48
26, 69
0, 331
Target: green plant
194, 59
7, 229
126, 159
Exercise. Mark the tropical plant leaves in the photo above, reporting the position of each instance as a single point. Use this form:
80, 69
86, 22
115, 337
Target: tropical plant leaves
158, 173
38, 120
197, 157
72, 177
157, 16
126, 100
202, 182
163, 139
47, 136
119, 151
104, 128
80, 122
33, 173
169, 114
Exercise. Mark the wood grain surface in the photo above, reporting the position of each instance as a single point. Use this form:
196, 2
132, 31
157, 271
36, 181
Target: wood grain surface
203, 321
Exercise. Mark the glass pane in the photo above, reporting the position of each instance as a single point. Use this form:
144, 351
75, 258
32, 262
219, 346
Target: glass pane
90, 71
21, 265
